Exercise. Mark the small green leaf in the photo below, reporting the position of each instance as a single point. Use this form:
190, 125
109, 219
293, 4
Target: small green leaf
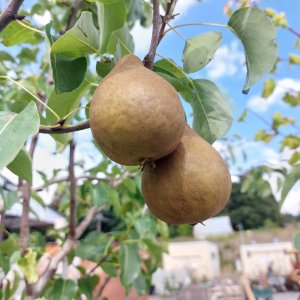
291, 141
290, 180
243, 116
110, 269
294, 59
9, 246
212, 115
262, 135
22, 166
87, 285
80, 40
269, 86
297, 43
104, 66
15, 33
111, 17
293, 100
279, 120
130, 263
27, 264
6, 56
9, 198
280, 20
63, 290
257, 33
14, 130
140, 284
199, 51
295, 158
125, 40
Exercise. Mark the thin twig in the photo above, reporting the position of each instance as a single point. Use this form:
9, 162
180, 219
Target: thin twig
99, 293
10, 13
73, 206
59, 129
73, 15
149, 58
294, 31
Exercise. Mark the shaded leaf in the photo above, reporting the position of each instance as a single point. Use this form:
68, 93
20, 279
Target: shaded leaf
14, 130
9, 198
293, 100
130, 263
22, 166
199, 51
124, 39
290, 180
104, 66
262, 135
295, 158
291, 141
87, 285
80, 40
257, 33
212, 115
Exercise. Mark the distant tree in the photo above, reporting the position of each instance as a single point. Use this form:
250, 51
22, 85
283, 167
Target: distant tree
252, 209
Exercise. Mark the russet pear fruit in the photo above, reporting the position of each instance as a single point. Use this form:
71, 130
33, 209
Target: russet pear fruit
135, 115
188, 186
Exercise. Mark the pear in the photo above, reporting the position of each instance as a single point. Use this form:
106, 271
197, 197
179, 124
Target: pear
135, 115
188, 186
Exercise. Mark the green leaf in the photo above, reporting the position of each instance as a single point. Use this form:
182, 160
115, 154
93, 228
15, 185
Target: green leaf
27, 264
82, 39
104, 66
291, 141
9, 198
199, 51
290, 180
297, 43
125, 40
15, 33
6, 56
295, 158
14, 130
63, 290
9, 246
279, 120
68, 73
22, 166
212, 115
141, 285
262, 135
243, 116
144, 226
280, 20
110, 268
87, 285
111, 17
130, 263
257, 33
293, 100
269, 86
294, 59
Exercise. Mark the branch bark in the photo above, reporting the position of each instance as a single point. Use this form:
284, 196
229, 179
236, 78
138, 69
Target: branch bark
73, 205
10, 13
99, 293
73, 16
59, 129
38, 287
159, 24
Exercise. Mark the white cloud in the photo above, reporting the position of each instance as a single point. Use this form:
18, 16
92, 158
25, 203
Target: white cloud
44, 19
142, 36
259, 104
228, 61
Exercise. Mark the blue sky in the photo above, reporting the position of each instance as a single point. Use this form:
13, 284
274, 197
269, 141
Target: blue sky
228, 72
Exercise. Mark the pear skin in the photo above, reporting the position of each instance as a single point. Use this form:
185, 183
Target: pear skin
135, 114
188, 186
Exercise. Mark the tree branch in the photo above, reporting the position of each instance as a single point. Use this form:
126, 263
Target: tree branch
159, 24
73, 205
73, 16
296, 33
59, 129
149, 58
10, 13
99, 293
38, 287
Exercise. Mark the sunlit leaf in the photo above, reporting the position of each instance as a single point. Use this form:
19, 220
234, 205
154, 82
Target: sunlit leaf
27, 264
294, 59
295, 158
291, 141
292, 99
279, 120
14, 130
262, 135
124, 38
257, 33
199, 50
269, 86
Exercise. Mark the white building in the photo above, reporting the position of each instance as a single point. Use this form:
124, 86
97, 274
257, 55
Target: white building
256, 258
212, 227
198, 259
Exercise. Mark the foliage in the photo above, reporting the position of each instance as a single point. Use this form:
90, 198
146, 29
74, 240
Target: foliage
253, 208
48, 74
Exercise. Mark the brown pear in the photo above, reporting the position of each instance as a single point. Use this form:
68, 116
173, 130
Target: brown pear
188, 186
135, 114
